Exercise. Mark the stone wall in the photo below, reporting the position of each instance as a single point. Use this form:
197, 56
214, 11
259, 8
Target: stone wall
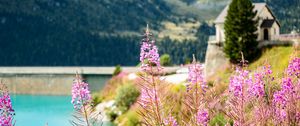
215, 59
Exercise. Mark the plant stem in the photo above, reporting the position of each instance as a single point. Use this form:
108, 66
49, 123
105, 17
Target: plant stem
86, 116
84, 110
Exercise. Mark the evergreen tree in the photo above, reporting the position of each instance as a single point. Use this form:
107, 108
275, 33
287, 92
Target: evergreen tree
240, 31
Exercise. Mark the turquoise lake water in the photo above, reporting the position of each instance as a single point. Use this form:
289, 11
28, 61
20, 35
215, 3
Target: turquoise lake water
37, 110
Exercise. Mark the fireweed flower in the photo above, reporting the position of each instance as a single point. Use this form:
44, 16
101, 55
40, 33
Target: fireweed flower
238, 96
148, 97
256, 87
280, 115
196, 76
6, 110
149, 56
287, 85
202, 117
267, 70
80, 94
281, 97
294, 67
285, 100
238, 81
279, 101
170, 121
195, 95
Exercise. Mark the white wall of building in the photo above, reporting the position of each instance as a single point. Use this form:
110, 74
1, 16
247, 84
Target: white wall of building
262, 15
220, 32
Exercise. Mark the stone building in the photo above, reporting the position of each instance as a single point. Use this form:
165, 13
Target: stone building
268, 30
268, 26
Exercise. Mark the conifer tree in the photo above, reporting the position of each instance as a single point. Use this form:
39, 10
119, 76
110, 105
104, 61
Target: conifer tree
240, 31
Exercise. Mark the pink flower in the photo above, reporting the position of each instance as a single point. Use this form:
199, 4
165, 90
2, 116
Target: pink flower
294, 67
280, 115
256, 88
6, 110
202, 117
267, 70
287, 85
238, 81
280, 99
287, 90
284, 98
80, 94
149, 56
196, 76
237, 123
6, 121
298, 116
148, 97
170, 121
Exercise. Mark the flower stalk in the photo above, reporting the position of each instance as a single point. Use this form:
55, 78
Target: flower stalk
6, 110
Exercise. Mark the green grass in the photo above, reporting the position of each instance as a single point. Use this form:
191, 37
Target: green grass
218, 120
277, 57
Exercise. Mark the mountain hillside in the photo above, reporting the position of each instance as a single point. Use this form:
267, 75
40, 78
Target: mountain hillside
80, 32
108, 32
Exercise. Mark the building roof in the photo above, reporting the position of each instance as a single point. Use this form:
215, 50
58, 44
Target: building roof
221, 18
267, 23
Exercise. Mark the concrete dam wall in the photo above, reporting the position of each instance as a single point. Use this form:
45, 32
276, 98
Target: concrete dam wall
58, 80
54, 80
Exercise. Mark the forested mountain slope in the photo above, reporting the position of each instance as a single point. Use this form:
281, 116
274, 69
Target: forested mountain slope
108, 32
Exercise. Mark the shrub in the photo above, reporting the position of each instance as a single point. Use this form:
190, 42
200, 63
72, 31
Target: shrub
111, 114
96, 98
130, 118
133, 119
126, 96
165, 60
117, 70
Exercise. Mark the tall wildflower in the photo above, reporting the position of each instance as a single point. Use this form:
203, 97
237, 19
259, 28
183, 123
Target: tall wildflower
256, 88
246, 89
152, 112
170, 121
195, 95
147, 97
286, 101
294, 67
6, 110
81, 100
196, 77
202, 117
80, 94
259, 90
238, 96
259, 82
237, 82
149, 56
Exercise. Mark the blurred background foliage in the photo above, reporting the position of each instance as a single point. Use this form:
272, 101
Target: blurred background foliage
108, 32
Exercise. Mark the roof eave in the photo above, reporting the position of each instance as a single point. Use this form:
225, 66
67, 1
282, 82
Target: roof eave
273, 15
